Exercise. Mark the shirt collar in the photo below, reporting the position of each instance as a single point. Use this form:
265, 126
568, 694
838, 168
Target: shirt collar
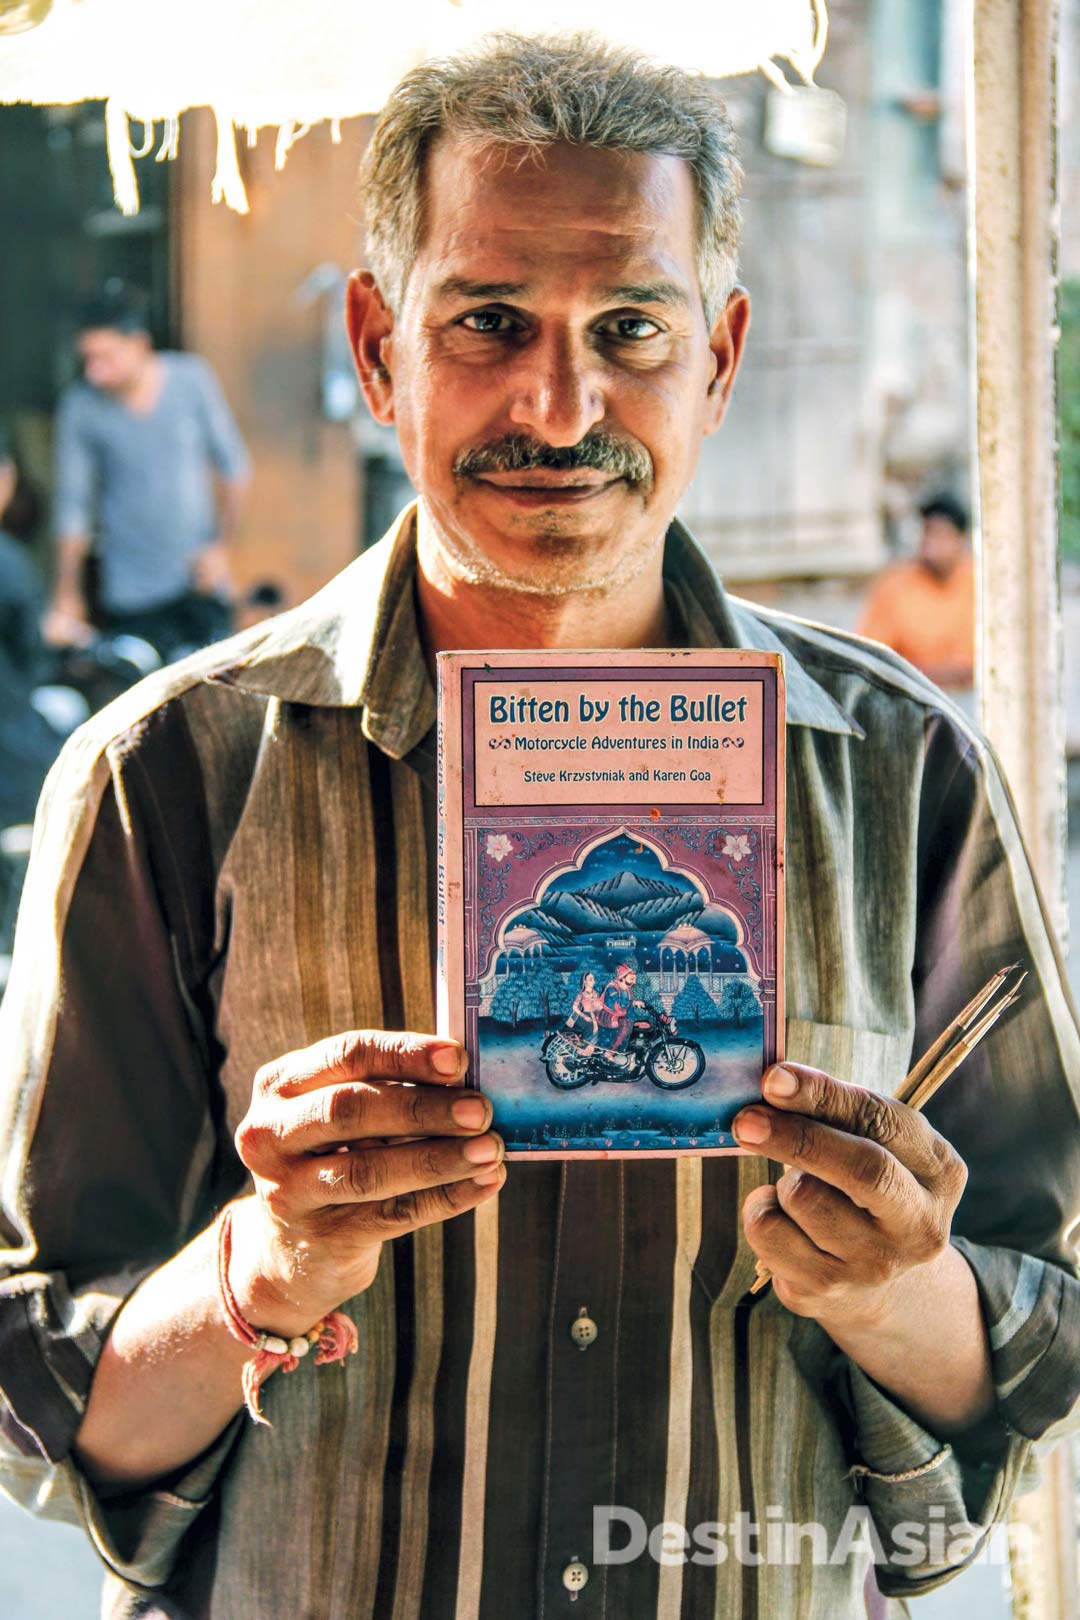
356, 642
717, 619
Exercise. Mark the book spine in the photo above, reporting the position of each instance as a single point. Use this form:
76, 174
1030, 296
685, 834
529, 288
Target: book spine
450, 989
780, 864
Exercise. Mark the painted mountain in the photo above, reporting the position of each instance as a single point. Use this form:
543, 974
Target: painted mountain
621, 890
617, 903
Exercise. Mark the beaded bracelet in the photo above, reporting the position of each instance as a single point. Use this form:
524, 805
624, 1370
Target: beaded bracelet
333, 1338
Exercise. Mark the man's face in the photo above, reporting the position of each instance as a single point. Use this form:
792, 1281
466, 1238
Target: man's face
551, 373
113, 361
942, 545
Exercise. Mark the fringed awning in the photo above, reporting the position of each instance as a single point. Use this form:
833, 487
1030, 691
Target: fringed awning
295, 63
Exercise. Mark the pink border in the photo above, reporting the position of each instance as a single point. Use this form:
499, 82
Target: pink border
451, 946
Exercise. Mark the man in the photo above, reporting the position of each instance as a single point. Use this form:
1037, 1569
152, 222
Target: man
925, 609
564, 1393
150, 468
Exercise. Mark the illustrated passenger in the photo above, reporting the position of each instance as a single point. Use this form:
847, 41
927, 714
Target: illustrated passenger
583, 1014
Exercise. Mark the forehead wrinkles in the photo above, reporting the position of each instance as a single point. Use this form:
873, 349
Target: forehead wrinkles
513, 249
601, 203
530, 262
578, 265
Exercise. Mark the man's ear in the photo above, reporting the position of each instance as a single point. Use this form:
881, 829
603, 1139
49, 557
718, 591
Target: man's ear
727, 341
370, 321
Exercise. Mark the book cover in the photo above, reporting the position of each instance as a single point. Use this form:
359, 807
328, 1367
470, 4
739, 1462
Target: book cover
611, 872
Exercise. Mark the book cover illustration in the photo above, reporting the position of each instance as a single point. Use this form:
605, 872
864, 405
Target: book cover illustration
611, 892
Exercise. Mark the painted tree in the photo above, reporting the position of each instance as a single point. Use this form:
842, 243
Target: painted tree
547, 990
510, 1000
694, 1005
739, 1003
645, 990
537, 993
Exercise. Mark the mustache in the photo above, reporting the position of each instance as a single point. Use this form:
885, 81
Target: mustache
598, 451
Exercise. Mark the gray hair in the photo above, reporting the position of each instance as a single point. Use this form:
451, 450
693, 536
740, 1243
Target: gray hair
579, 88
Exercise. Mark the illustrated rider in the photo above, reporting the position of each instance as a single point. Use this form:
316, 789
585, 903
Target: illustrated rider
615, 1017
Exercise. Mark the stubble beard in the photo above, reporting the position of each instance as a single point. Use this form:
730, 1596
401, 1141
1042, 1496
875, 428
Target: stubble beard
558, 561
558, 566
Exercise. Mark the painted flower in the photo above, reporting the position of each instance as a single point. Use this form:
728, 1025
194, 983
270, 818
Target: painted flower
737, 845
499, 846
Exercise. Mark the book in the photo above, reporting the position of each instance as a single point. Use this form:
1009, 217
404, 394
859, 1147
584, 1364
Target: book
611, 892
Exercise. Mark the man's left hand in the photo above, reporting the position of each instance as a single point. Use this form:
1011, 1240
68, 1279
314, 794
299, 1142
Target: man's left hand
868, 1194
211, 573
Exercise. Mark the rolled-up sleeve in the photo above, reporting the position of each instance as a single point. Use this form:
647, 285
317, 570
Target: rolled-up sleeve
107, 1138
1013, 1113
223, 438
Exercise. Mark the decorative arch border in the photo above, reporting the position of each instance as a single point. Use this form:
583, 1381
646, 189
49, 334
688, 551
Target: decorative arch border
577, 861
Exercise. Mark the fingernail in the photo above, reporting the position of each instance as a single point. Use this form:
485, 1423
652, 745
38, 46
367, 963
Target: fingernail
482, 1150
446, 1060
488, 1179
751, 1126
469, 1111
781, 1082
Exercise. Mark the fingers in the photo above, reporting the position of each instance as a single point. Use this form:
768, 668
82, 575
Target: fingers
409, 1211
829, 1218
375, 1175
870, 1180
364, 1054
792, 1257
350, 1112
869, 1174
358, 1086
412, 1148
905, 1132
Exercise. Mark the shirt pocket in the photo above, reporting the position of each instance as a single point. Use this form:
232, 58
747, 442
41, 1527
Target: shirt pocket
867, 1057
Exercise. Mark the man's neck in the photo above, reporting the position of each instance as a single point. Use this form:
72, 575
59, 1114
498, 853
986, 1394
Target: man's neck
142, 393
939, 573
459, 614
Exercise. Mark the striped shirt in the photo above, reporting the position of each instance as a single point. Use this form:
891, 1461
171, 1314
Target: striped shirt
233, 861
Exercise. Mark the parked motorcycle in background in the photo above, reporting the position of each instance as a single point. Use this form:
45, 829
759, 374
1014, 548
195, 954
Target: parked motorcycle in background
34, 725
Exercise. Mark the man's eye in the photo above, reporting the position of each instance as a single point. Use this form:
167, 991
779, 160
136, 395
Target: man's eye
486, 321
632, 328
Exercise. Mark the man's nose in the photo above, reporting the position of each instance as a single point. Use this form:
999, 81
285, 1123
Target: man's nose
555, 389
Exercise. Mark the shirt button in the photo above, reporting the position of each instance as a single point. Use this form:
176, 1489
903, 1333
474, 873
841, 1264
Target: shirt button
574, 1576
583, 1330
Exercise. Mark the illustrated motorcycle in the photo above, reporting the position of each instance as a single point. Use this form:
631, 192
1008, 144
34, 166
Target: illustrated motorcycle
655, 1049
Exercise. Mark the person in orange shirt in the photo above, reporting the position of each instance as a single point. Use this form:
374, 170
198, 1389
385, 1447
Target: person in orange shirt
925, 609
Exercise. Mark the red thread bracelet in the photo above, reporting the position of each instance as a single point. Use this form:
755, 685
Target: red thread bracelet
333, 1338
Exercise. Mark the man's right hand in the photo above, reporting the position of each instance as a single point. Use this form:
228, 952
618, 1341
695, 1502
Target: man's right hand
360, 1138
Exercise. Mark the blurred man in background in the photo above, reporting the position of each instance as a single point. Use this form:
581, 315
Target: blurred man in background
925, 609
138, 444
